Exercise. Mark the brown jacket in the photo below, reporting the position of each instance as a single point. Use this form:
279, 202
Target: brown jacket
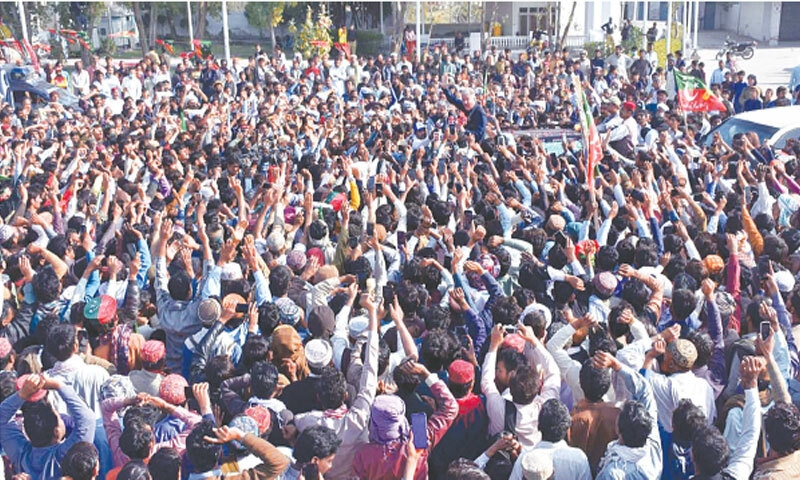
594, 425
274, 462
783, 468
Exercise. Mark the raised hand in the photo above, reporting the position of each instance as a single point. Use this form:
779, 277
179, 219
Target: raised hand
671, 334
31, 386
225, 434
603, 359
750, 369
659, 348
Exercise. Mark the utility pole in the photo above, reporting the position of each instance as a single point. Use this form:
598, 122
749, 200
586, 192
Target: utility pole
23, 21
191, 27
645, 9
419, 31
226, 35
669, 26
696, 22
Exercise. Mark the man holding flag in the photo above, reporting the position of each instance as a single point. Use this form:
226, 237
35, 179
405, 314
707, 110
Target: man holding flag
591, 138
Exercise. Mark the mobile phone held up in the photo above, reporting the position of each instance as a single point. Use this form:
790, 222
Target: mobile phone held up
764, 329
560, 238
419, 426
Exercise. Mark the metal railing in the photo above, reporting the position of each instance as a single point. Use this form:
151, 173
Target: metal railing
512, 42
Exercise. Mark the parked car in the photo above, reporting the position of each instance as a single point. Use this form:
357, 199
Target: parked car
773, 124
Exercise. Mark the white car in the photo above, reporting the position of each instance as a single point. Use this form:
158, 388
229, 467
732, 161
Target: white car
775, 125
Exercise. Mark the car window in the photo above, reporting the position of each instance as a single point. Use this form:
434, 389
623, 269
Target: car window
736, 125
793, 133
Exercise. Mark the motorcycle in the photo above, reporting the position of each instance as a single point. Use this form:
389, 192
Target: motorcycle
746, 50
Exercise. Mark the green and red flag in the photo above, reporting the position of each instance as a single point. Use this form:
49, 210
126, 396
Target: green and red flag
694, 95
591, 138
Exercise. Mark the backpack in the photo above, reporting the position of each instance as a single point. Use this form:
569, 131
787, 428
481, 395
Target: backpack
510, 417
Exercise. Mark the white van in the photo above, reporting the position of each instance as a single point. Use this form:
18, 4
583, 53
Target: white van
775, 124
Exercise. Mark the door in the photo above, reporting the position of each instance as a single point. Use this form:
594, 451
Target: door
710, 13
790, 28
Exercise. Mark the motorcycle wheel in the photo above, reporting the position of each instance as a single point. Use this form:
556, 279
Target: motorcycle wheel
721, 54
748, 53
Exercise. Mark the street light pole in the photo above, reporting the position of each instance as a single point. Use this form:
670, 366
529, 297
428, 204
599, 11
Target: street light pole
419, 31
191, 27
696, 22
669, 26
226, 35
22, 21
645, 9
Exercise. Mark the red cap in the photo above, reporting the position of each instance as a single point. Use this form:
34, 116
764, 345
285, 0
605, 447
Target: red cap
629, 106
5, 347
36, 396
461, 372
261, 415
153, 351
514, 341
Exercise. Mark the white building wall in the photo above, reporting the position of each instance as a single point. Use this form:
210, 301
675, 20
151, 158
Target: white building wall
759, 20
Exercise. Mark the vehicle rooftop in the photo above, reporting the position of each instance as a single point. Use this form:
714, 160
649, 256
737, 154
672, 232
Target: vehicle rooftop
779, 117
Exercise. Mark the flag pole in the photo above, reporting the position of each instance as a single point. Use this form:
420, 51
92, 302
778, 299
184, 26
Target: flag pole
582, 105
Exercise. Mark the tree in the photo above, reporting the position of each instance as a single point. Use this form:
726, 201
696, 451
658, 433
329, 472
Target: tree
314, 38
266, 15
138, 17
399, 24
568, 25
201, 13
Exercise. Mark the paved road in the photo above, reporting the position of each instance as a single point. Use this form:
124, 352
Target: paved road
771, 65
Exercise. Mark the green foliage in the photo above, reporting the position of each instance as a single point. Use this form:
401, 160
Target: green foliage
634, 42
590, 47
57, 48
313, 37
369, 42
264, 15
108, 46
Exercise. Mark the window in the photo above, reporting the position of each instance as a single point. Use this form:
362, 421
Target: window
532, 19
103, 32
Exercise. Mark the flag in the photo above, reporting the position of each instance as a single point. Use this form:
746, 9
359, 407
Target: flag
694, 95
591, 138
32, 54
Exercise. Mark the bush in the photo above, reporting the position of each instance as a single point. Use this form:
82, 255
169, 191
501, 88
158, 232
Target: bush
590, 47
634, 43
369, 42
108, 46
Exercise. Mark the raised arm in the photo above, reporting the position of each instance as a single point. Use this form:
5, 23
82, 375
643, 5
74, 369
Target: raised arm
733, 285
743, 451
716, 364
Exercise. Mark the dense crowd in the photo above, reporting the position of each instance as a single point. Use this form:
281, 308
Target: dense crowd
375, 268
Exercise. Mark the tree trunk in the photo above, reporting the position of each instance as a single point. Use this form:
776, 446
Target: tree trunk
153, 23
489, 25
548, 23
137, 15
399, 24
200, 26
569, 24
173, 31
272, 35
